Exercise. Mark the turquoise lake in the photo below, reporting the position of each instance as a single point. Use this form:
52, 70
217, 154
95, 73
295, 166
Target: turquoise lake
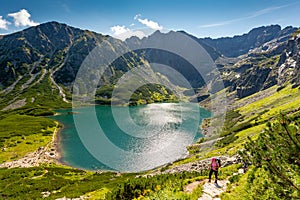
128, 139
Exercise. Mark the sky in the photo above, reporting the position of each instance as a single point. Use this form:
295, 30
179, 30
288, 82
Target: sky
202, 18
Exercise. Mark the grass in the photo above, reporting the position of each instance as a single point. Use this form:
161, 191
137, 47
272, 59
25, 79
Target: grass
162, 186
229, 149
18, 147
254, 115
237, 189
21, 131
29, 183
97, 194
272, 148
149, 93
59, 181
21, 134
284, 100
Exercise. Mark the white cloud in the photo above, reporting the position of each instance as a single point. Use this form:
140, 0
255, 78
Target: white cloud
3, 23
22, 18
149, 23
215, 25
117, 30
267, 10
122, 32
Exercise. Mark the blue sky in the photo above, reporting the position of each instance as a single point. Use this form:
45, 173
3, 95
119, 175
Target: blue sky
201, 18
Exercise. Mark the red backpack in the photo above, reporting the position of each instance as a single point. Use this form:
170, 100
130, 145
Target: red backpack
214, 164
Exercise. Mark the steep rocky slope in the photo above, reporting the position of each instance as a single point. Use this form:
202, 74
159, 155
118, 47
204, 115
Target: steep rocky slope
261, 67
239, 45
289, 61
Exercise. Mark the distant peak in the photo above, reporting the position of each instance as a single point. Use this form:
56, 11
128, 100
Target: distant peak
157, 32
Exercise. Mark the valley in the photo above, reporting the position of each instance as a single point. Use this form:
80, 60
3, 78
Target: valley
258, 72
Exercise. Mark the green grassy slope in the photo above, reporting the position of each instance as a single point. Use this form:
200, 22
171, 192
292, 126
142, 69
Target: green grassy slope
250, 119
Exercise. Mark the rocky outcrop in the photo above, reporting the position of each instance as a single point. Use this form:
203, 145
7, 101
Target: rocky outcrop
289, 63
252, 81
36, 158
274, 62
15, 105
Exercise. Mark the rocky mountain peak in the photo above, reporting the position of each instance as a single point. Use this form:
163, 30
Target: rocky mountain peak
239, 45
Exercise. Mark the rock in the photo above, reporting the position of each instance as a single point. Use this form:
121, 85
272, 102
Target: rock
15, 105
45, 194
205, 197
252, 81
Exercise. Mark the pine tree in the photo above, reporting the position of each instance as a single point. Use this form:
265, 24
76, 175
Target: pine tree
276, 152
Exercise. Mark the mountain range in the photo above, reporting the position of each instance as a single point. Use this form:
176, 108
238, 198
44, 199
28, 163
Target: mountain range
52, 53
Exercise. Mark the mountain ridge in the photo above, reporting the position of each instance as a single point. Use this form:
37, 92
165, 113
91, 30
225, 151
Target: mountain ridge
241, 44
57, 50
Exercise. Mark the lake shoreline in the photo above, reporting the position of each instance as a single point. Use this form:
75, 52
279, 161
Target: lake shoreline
57, 144
62, 160
53, 152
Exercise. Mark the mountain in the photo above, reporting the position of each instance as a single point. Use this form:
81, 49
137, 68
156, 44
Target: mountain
47, 57
42, 60
239, 45
258, 69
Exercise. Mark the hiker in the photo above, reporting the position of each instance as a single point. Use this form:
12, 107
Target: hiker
214, 166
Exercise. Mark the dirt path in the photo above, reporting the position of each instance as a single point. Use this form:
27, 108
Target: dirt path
190, 187
212, 191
